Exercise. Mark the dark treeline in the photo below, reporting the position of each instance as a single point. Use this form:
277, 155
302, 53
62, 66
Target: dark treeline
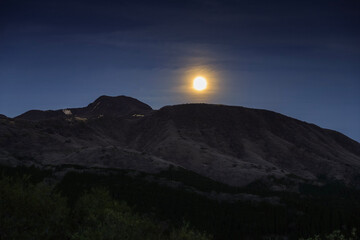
315, 210
31, 211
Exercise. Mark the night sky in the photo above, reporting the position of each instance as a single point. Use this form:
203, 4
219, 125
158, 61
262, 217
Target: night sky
298, 58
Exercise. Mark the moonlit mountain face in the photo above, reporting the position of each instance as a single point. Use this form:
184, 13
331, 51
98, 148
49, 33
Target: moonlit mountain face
110, 106
232, 145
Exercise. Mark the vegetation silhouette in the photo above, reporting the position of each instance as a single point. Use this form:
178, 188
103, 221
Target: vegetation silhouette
162, 210
37, 211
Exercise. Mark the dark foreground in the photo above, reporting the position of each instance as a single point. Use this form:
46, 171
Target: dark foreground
133, 205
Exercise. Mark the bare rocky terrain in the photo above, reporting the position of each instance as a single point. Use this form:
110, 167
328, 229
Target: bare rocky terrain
232, 145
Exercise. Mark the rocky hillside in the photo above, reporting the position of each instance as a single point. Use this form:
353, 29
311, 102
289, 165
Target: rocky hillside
232, 145
103, 106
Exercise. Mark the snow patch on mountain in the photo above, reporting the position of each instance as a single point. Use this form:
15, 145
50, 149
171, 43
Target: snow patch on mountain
67, 112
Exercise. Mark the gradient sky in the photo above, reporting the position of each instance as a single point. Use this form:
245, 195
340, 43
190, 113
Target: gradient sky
299, 58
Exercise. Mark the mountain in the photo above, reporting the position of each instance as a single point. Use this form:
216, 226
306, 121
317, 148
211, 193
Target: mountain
232, 145
103, 106
238, 145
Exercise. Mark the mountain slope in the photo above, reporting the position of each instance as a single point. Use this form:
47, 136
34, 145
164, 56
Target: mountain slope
237, 145
103, 106
233, 145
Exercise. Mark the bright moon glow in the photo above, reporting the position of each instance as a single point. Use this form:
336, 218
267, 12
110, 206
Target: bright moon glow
199, 83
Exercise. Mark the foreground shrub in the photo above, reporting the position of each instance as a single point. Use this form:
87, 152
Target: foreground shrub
335, 235
186, 233
35, 212
29, 211
100, 217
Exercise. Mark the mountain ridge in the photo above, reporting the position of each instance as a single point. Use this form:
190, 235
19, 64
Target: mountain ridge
230, 144
110, 106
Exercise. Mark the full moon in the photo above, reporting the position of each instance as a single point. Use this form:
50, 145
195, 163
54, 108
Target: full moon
199, 83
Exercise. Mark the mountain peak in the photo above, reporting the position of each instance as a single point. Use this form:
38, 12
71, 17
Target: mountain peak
115, 106
122, 99
102, 106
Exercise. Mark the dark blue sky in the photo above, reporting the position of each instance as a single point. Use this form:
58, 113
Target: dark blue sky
299, 58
